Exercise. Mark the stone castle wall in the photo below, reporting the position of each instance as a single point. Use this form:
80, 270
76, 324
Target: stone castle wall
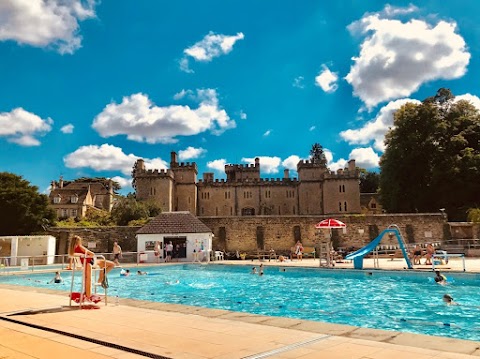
281, 232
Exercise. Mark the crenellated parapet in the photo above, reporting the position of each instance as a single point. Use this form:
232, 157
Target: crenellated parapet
162, 173
249, 182
341, 174
309, 164
185, 166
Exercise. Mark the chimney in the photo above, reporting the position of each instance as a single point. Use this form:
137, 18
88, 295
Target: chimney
53, 185
257, 161
110, 186
173, 158
140, 165
351, 166
286, 173
60, 182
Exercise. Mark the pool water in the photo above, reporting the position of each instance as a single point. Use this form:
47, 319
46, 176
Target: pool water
409, 302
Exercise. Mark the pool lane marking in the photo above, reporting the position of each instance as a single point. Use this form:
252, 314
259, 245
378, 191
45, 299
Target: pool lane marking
287, 347
84, 338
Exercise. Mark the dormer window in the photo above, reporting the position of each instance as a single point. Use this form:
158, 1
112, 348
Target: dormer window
57, 199
74, 199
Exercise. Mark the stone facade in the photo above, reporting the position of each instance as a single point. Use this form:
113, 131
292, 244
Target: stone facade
317, 190
281, 232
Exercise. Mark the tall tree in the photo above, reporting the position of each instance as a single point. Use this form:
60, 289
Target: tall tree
432, 157
22, 209
317, 154
128, 209
369, 181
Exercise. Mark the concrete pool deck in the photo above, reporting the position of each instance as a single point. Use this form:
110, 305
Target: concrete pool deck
136, 329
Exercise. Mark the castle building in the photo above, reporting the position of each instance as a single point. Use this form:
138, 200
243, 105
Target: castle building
317, 191
73, 198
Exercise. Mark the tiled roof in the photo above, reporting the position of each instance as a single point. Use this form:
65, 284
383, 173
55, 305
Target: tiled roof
365, 198
66, 195
174, 222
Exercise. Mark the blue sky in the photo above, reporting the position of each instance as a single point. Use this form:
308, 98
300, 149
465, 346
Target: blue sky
88, 87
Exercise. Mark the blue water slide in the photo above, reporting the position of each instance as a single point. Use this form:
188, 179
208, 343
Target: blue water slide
358, 255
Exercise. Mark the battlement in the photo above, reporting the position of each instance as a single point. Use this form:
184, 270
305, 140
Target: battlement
341, 174
309, 164
163, 173
249, 182
247, 167
184, 166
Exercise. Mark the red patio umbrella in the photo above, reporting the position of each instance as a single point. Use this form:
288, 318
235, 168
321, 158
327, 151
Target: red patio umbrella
330, 223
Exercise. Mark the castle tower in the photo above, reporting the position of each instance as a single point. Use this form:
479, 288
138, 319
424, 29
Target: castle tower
185, 179
310, 189
243, 172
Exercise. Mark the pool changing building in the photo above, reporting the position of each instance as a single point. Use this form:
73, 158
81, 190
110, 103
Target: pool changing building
190, 237
25, 250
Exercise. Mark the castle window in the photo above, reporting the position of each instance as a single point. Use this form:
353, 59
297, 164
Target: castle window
74, 199
345, 206
248, 211
57, 199
208, 195
231, 211
154, 191
343, 188
226, 195
373, 205
74, 212
188, 200
340, 206
339, 188
293, 209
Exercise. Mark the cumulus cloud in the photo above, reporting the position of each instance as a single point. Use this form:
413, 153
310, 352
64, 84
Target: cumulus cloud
123, 182
182, 94
291, 162
267, 133
376, 129
243, 115
141, 120
22, 127
211, 46
391, 10
396, 57
67, 128
217, 165
42, 23
298, 82
267, 164
365, 157
327, 80
191, 153
108, 158
331, 164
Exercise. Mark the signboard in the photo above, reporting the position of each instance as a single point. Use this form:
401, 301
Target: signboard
91, 245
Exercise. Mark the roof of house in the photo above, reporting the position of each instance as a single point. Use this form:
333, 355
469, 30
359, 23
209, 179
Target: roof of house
174, 222
365, 198
66, 194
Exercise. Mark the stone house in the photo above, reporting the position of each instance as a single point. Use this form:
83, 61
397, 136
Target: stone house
73, 198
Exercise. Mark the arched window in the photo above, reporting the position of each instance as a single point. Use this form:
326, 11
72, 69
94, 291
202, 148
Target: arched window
340, 206
248, 211
345, 206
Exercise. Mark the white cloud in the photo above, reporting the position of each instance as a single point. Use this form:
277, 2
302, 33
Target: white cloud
376, 129
123, 182
390, 10
396, 57
312, 128
108, 158
42, 23
217, 165
298, 82
22, 127
243, 115
267, 164
67, 128
182, 94
191, 153
334, 165
327, 80
291, 162
141, 120
474, 100
212, 45
267, 133
365, 157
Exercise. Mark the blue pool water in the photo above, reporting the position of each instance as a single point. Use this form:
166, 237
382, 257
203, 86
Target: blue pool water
410, 302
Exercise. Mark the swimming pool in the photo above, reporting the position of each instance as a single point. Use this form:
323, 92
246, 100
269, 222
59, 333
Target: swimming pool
409, 302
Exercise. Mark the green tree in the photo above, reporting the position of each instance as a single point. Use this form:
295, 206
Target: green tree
23, 210
369, 181
317, 155
128, 209
474, 215
432, 157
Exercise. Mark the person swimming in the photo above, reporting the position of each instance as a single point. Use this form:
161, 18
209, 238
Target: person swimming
57, 279
440, 278
125, 273
139, 272
448, 300
254, 270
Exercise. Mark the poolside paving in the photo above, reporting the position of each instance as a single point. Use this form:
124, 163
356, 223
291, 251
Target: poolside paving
135, 329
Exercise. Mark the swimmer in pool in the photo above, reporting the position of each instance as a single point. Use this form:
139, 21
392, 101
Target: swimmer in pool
448, 300
139, 272
254, 270
57, 279
440, 278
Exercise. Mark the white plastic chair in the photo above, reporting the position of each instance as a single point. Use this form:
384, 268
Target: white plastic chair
219, 256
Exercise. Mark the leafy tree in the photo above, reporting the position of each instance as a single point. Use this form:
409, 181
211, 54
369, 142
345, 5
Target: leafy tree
474, 215
23, 210
317, 154
369, 181
105, 181
432, 157
128, 209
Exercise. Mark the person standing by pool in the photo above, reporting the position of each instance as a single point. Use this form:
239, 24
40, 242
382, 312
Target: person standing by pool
430, 253
299, 250
117, 253
87, 259
417, 254
168, 250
